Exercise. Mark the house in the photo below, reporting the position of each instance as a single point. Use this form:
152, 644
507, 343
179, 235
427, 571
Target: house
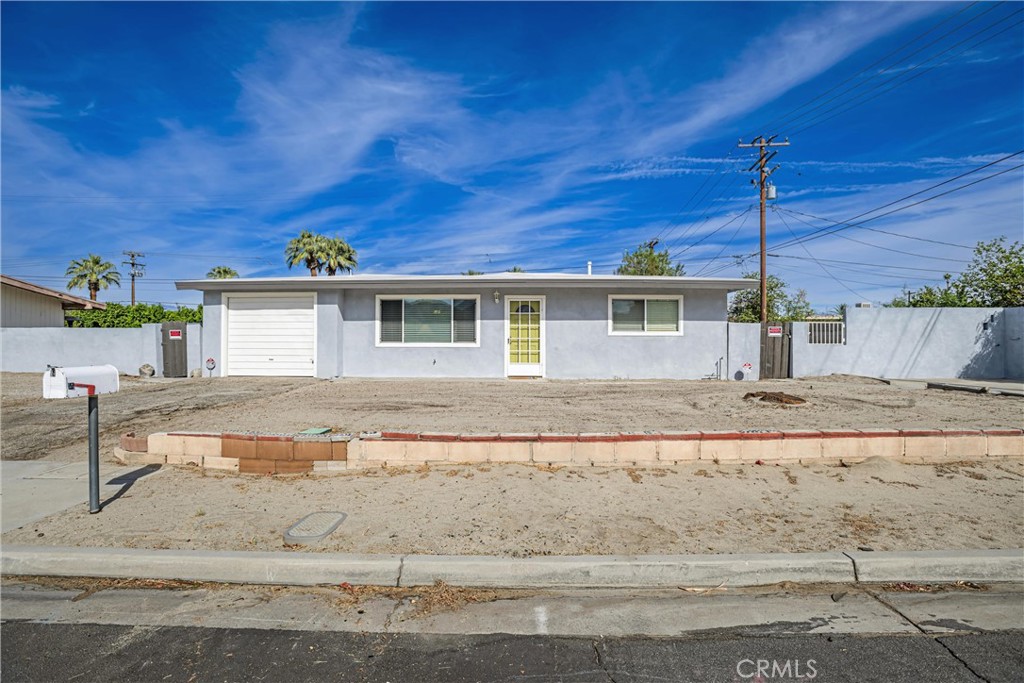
557, 326
23, 304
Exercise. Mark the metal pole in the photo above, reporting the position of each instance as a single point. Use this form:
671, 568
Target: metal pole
94, 454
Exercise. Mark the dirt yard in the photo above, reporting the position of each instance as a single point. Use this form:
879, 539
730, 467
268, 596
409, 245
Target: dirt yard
33, 428
519, 511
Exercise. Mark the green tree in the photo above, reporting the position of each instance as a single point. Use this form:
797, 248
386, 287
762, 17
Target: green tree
221, 273
309, 250
338, 256
948, 295
644, 260
994, 277
473, 272
318, 252
92, 273
782, 306
515, 269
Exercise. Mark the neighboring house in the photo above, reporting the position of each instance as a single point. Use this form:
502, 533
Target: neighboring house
508, 325
23, 304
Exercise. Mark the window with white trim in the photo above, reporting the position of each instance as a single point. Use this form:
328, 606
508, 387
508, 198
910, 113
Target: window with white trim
427, 320
645, 315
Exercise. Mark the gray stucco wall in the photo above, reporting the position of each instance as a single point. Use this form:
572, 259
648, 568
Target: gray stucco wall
328, 333
362, 358
31, 349
917, 343
577, 342
744, 347
213, 319
1013, 334
194, 339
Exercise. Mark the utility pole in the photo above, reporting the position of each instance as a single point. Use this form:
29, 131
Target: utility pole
137, 268
762, 165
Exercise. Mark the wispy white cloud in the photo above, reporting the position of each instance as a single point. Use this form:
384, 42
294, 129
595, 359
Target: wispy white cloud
773, 64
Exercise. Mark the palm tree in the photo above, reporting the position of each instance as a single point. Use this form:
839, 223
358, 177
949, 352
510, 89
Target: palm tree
340, 256
515, 269
221, 273
93, 273
309, 250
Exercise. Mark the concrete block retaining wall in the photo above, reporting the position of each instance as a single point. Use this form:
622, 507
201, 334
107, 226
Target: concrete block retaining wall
298, 454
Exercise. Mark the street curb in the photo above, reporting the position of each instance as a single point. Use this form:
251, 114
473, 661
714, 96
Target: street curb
940, 566
296, 569
622, 571
598, 571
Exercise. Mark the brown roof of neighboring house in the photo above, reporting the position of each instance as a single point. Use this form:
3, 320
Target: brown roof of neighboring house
68, 301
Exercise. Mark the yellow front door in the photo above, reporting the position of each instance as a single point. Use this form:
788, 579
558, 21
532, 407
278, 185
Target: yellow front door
525, 331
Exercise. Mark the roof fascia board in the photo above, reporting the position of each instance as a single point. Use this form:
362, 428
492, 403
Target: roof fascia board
472, 282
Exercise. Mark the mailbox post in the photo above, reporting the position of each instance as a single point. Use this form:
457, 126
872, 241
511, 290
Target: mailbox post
89, 381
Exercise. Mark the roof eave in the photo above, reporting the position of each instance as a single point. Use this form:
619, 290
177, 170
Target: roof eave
520, 281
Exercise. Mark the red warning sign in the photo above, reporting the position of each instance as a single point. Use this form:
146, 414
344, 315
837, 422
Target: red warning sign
775, 330
174, 334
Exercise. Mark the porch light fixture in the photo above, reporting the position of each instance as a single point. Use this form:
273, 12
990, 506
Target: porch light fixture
497, 296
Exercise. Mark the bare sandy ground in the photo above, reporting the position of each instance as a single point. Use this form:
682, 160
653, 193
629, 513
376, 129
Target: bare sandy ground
523, 510
33, 428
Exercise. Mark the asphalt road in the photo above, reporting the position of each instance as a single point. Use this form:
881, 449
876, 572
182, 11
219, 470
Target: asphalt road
90, 652
92, 630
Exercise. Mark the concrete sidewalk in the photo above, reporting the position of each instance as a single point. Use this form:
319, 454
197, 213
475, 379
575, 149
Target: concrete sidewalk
656, 571
33, 489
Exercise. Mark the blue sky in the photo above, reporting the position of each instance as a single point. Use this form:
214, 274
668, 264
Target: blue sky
438, 137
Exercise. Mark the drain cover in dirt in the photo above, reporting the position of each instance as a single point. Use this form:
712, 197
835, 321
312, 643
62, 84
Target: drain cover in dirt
314, 527
775, 397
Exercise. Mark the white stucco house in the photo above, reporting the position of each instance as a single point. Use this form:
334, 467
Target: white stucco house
557, 326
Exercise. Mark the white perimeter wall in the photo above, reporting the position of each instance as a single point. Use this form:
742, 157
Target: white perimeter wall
921, 343
31, 349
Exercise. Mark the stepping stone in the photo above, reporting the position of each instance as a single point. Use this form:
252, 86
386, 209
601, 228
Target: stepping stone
313, 528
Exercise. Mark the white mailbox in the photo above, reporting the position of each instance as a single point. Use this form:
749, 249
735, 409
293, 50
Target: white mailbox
88, 380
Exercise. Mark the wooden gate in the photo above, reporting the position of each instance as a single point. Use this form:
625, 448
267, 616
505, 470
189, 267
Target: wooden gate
174, 341
776, 350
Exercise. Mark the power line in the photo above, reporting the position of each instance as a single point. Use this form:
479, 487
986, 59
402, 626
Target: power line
844, 225
884, 232
944, 182
778, 122
819, 264
713, 232
877, 273
696, 226
860, 263
853, 104
726, 245
876, 246
708, 177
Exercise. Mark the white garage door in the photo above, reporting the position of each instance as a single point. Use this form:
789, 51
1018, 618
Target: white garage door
271, 335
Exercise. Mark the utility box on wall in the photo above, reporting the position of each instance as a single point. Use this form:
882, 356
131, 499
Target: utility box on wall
174, 343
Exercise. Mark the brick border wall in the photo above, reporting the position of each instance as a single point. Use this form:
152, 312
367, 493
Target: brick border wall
296, 454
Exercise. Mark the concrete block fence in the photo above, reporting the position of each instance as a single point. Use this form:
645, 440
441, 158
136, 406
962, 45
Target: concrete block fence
248, 453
